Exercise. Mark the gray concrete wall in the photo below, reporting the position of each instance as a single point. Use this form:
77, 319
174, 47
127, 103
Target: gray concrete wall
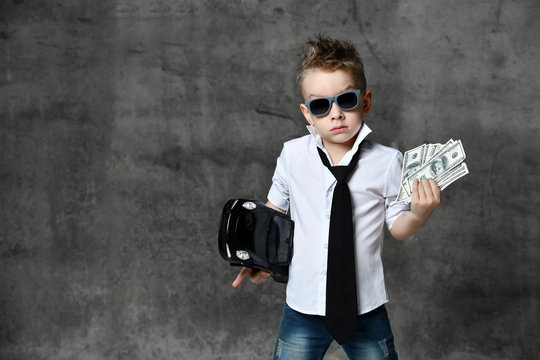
126, 125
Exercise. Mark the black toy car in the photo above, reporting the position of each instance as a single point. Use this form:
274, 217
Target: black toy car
253, 235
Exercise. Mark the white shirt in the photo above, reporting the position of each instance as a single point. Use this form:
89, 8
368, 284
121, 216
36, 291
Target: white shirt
304, 186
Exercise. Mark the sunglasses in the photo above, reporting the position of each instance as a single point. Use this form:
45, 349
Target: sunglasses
347, 100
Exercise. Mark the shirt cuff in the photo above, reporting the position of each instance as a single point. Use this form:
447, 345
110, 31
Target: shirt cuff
395, 211
276, 198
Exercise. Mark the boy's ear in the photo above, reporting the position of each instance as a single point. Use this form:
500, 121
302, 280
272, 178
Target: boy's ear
306, 113
367, 101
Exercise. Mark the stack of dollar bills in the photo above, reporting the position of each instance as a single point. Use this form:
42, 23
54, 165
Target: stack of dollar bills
440, 162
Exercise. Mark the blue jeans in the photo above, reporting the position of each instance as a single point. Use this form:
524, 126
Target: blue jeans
305, 337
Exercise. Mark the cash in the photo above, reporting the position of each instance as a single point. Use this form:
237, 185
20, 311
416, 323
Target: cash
443, 163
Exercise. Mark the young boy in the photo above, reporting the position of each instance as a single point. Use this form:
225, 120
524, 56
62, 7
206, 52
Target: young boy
333, 86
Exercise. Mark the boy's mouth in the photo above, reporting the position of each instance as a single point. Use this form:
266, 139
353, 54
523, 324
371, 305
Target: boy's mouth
339, 129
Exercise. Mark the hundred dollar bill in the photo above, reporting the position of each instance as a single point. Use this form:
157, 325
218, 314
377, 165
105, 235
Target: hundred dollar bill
403, 195
412, 160
444, 181
438, 149
428, 154
436, 156
432, 149
439, 164
458, 172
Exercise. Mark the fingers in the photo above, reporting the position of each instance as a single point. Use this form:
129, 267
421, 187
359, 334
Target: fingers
256, 276
427, 198
421, 190
435, 190
432, 191
415, 197
428, 192
241, 275
259, 276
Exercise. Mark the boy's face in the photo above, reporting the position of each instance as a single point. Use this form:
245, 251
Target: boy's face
338, 127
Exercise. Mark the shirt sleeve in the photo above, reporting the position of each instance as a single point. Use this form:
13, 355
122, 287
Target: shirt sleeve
279, 191
393, 179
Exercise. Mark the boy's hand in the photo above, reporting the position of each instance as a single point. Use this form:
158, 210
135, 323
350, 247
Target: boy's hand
426, 196
256, 276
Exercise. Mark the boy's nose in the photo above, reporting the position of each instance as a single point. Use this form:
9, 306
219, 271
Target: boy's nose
335, 112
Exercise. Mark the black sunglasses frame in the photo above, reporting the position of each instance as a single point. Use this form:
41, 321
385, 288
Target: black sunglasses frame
335, 99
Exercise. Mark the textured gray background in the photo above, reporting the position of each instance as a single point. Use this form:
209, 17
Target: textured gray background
126, 125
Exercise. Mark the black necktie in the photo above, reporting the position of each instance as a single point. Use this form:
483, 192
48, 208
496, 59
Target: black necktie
341, 303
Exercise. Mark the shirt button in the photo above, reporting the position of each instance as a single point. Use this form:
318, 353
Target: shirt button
327, 216
325, 246
323, 273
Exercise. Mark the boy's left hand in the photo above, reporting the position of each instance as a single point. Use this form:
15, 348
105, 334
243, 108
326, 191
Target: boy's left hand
426, 196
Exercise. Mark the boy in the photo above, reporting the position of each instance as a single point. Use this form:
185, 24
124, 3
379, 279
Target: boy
305, 183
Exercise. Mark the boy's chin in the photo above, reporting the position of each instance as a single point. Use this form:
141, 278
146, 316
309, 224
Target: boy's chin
340, 140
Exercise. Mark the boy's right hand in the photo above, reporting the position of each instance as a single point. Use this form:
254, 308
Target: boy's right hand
256, 276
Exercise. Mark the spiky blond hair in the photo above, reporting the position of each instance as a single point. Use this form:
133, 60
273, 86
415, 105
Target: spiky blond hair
330, 54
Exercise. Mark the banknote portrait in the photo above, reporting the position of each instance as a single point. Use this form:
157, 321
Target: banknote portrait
438, 166
411, 168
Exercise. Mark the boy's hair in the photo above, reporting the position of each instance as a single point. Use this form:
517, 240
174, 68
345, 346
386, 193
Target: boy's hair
330, 54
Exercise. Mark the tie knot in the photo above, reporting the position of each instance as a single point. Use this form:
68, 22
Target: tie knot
341, 173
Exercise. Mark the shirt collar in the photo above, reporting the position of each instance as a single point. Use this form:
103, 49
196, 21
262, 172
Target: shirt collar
362, 134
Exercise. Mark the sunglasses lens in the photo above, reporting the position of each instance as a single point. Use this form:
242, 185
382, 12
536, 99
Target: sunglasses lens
347, 101
319, 107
